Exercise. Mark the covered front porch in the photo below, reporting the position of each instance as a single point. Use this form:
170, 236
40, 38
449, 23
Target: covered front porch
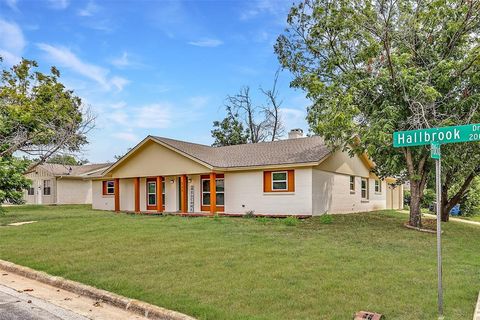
193, 194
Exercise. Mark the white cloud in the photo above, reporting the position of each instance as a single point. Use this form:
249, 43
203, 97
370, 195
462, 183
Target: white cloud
64, 57
59, 4
276, 8
198, 101
121, 61
154, 116
118, 105
119, 83
211, 43
12, 42
90, 9
12, 4
119, 117
127, 136
294, 118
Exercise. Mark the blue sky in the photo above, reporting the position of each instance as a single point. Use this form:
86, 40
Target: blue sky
152, 67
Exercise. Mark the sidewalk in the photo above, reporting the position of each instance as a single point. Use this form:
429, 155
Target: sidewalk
23, 298
454, 219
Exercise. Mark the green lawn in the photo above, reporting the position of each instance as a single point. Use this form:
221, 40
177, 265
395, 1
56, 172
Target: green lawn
234, 268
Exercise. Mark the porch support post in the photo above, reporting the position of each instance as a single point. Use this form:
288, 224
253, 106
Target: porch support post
183, 193
213, 192
136, 187
159, 194
116, 184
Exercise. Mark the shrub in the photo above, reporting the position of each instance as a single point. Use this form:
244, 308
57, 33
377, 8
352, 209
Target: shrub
429, 197
290, 221
406, 197
249, 214
326, 219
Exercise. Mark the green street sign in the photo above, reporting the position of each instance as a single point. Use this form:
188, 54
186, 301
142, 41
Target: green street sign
435, 151
465, 133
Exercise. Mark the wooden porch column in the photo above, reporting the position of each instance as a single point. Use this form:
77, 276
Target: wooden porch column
116, 185
136, 188
213, 192
159, 194
183, 193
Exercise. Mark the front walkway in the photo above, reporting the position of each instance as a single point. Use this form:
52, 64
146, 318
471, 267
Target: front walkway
476, 223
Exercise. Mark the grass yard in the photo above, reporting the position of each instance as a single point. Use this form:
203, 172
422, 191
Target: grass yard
234, 268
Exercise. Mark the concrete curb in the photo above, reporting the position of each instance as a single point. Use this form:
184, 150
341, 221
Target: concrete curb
139, 307
476, 314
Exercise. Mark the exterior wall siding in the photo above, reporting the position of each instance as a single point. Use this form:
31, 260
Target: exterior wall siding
99, 201
244, 192
74, 191
331, 194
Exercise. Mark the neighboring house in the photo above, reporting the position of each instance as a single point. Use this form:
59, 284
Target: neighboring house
62, 184
297, 176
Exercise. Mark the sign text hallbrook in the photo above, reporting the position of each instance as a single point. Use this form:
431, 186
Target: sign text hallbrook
470, 132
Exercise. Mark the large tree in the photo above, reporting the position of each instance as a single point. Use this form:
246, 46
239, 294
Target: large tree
263, 122
375, 67
229, 131
39, 117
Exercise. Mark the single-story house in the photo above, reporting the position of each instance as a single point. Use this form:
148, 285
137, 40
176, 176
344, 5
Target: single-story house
297, 176
62, 184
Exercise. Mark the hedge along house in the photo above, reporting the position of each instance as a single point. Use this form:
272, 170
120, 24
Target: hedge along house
62, 184
297, 176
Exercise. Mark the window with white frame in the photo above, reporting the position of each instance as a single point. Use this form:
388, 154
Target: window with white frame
31, 191
152, 193
108, 187
352, 183
163, 191
220, 192
279, 180
47, 187
378, 186
365, 188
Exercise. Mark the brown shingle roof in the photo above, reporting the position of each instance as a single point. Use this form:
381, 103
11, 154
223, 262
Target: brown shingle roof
282, 152
87, 170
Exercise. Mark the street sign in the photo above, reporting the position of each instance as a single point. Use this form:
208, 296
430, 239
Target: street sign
465, 133
435, 151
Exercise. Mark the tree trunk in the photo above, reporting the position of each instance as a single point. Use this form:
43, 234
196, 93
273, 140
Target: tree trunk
415, 200
448, 204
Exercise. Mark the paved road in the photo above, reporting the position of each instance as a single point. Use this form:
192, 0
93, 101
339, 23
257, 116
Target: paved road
50, 303
20, 306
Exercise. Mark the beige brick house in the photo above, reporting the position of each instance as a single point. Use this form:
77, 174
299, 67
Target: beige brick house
297, 176
62, 184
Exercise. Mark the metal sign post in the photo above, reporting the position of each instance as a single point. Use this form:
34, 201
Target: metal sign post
436, 154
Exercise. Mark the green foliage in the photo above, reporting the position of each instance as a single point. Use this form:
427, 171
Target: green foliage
249, 214
406, 197
66, 159
389, 66
470, 204
12, 181
38, 115
326, 219
290, 221
229, 131
429, 196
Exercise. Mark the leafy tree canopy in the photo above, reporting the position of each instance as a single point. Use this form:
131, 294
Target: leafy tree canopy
375, 67
229, 131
